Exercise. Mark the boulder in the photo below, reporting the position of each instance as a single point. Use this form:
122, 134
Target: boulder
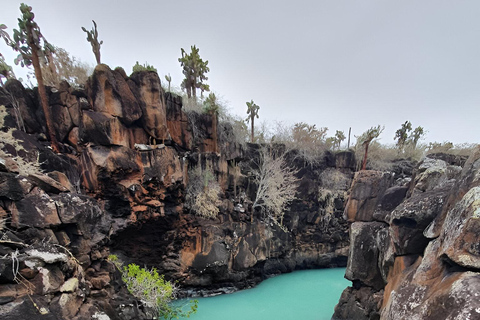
11, 187
460, 234
25, 105
361, 304
391, 199
464, 182
162, 165
66, 305
37, 209
104, 129
434, 173
148, 90
217, 256
105, 167
345, 160
109, 93
84, 211
363, 263
244, 258
368, 187
409, 220
62, 121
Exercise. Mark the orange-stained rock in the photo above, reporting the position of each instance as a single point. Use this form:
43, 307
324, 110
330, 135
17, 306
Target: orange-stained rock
109, 93
367, 189
104, 129
177, 122
74, 138
149, 93
116, 164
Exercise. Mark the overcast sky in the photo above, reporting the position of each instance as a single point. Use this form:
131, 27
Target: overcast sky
335, 63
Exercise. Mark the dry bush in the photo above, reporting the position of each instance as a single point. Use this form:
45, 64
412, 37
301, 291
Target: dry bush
381, 157
309, 141
460, 149
65, 67
202, 196
333, 185
6, 138
277, 185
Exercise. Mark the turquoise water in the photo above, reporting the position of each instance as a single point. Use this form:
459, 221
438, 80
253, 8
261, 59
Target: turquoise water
301, 295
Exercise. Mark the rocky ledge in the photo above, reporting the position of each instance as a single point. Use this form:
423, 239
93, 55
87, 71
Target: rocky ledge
414, 250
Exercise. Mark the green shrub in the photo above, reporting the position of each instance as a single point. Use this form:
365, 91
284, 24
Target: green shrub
153, 290
145, 67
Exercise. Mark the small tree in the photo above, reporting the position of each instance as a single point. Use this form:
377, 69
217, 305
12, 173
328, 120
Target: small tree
366, 138
401, 135
417, 134
212, 107
92, 37
27, 42
252, 111
194, 70
62, 66
339, 137
309, 141
277, 185
153, 290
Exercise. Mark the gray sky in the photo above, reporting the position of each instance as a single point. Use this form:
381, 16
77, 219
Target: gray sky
335, 63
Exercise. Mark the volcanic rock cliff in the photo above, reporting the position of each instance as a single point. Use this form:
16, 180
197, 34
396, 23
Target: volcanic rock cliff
119, 186
414, 250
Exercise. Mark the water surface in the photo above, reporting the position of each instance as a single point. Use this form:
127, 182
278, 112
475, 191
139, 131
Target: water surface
301, 295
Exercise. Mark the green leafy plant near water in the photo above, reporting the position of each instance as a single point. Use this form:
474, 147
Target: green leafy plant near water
153, 290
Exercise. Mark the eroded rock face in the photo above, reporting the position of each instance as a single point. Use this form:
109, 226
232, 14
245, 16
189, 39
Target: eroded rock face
367, 189
149, 92
104, 129
108, 92
363, 263
177, 122
430, 260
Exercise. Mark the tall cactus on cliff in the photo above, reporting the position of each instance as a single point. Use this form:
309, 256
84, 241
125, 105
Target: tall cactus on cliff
27, 42
194, 70
252, 111
169, 79
366, 138
213, 108
92, 37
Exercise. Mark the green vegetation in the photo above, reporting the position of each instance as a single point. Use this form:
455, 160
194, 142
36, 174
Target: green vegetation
194, 70
213, 108
366, 138
153, 290
28, 41
92, 37
252, 111
145, 67
401, 135
6, 70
